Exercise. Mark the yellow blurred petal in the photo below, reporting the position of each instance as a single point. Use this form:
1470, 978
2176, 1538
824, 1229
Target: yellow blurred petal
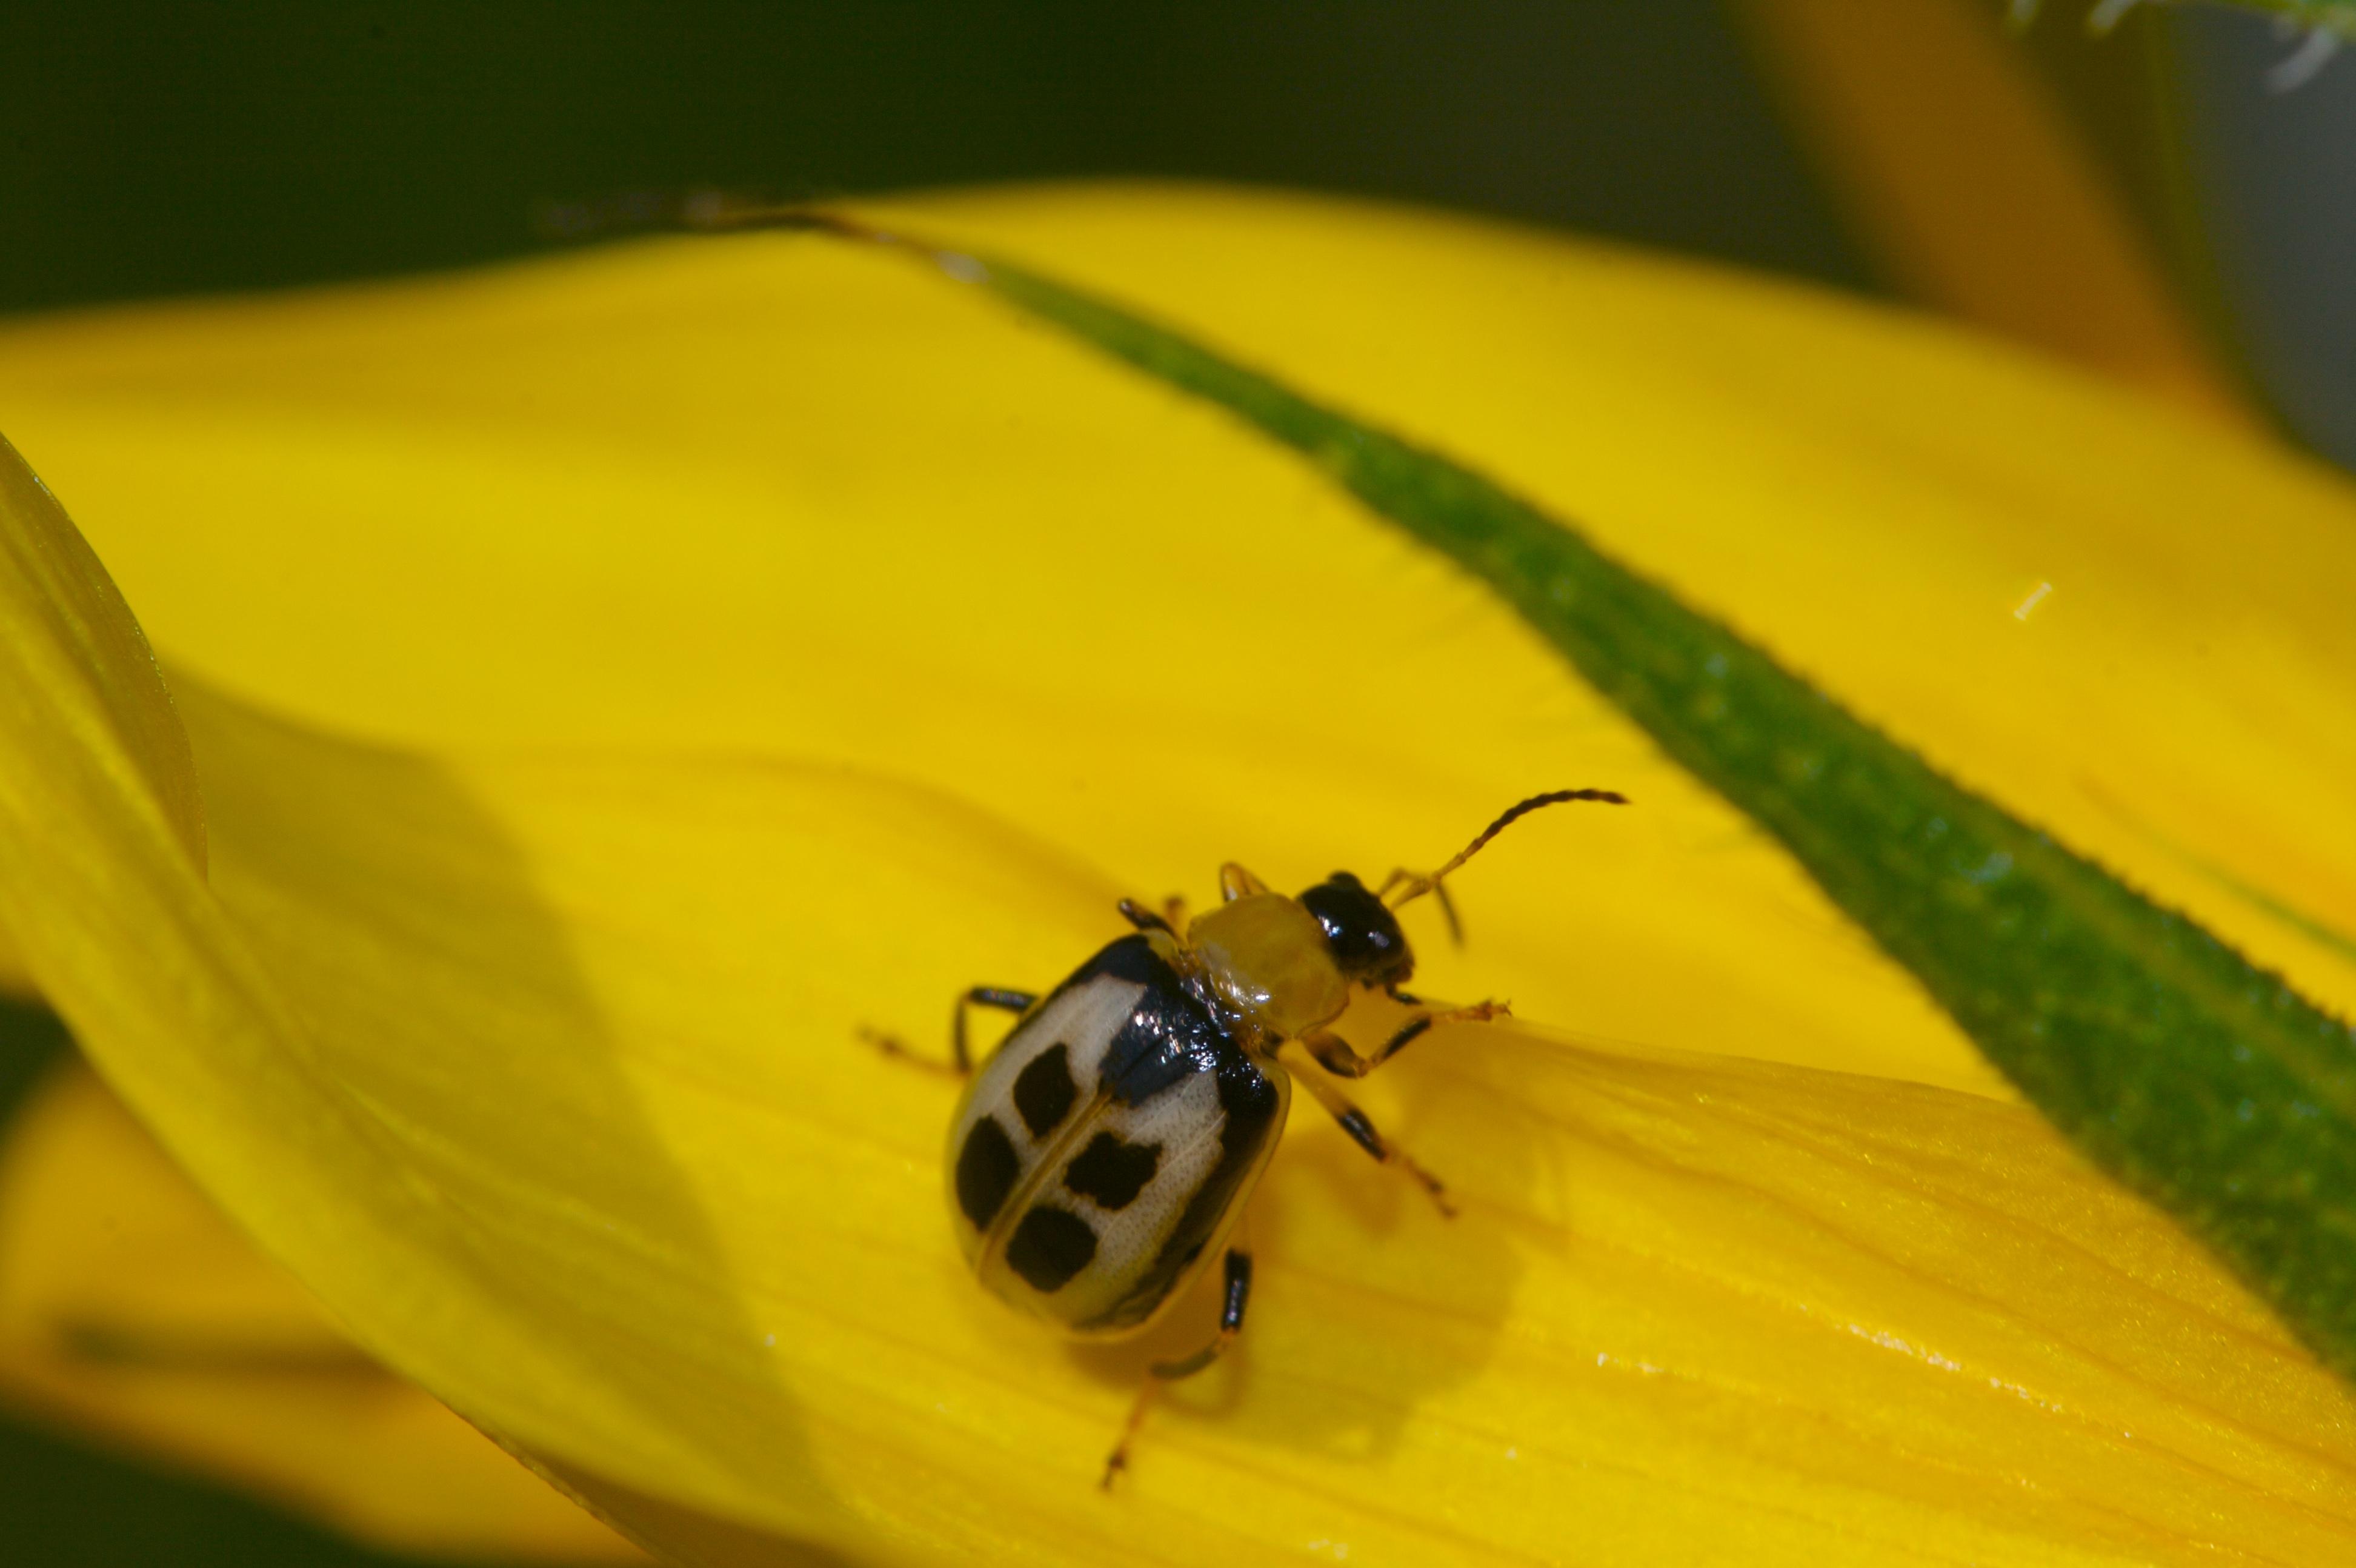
1974, 192
539, 1071
129, 1306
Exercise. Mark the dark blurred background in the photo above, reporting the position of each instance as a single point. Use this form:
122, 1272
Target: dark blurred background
217, 144
211, 144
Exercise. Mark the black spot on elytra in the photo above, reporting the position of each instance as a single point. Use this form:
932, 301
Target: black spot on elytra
1049, 1247
1253, 1111
1112, 1171
1044, 1091
986, 1169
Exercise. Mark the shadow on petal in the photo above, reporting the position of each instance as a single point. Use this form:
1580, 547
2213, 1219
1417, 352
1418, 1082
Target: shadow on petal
680, 1535
405, 927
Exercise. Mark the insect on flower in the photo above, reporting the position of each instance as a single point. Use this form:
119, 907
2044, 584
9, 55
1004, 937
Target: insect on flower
1103, 1154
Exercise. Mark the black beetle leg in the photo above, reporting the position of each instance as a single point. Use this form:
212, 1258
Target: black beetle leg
1478, 1013
1231, 1322
960, 1060
1144, 919
1335, 1056
1361, 1127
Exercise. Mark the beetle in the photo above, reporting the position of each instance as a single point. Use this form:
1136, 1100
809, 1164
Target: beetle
1102, 1156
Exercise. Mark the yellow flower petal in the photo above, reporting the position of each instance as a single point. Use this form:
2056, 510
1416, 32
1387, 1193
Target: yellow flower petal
641, 495
83, 657
539, 1071
2115, 619
129, 1305
574, 1073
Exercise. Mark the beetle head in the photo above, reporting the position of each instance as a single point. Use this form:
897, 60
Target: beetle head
1362, 934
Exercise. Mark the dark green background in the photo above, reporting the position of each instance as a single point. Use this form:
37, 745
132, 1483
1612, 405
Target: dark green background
207, 146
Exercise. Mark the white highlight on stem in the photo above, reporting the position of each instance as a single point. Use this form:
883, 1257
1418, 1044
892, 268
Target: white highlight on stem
2036, 597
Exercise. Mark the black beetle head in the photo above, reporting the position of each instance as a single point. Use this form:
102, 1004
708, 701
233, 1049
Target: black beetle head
1363, 937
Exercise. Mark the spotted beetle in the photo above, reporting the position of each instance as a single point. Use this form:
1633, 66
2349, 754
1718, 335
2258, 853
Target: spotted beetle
1103, 1154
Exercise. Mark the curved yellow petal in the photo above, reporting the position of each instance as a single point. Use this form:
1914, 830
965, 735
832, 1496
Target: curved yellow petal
129, 1305
563, 1114
169, 995
75, 644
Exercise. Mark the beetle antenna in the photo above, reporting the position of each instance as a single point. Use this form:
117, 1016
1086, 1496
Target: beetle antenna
1414, 886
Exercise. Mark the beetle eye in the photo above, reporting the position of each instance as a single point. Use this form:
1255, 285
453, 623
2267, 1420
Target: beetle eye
1362, 936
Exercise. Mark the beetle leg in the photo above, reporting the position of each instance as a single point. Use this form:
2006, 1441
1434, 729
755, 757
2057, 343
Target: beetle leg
1335, 1056
1360, 1127
1168, 918
960, 1062
1231, 1322
982, 997
1423, 884
1235, 882
1478, 1013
